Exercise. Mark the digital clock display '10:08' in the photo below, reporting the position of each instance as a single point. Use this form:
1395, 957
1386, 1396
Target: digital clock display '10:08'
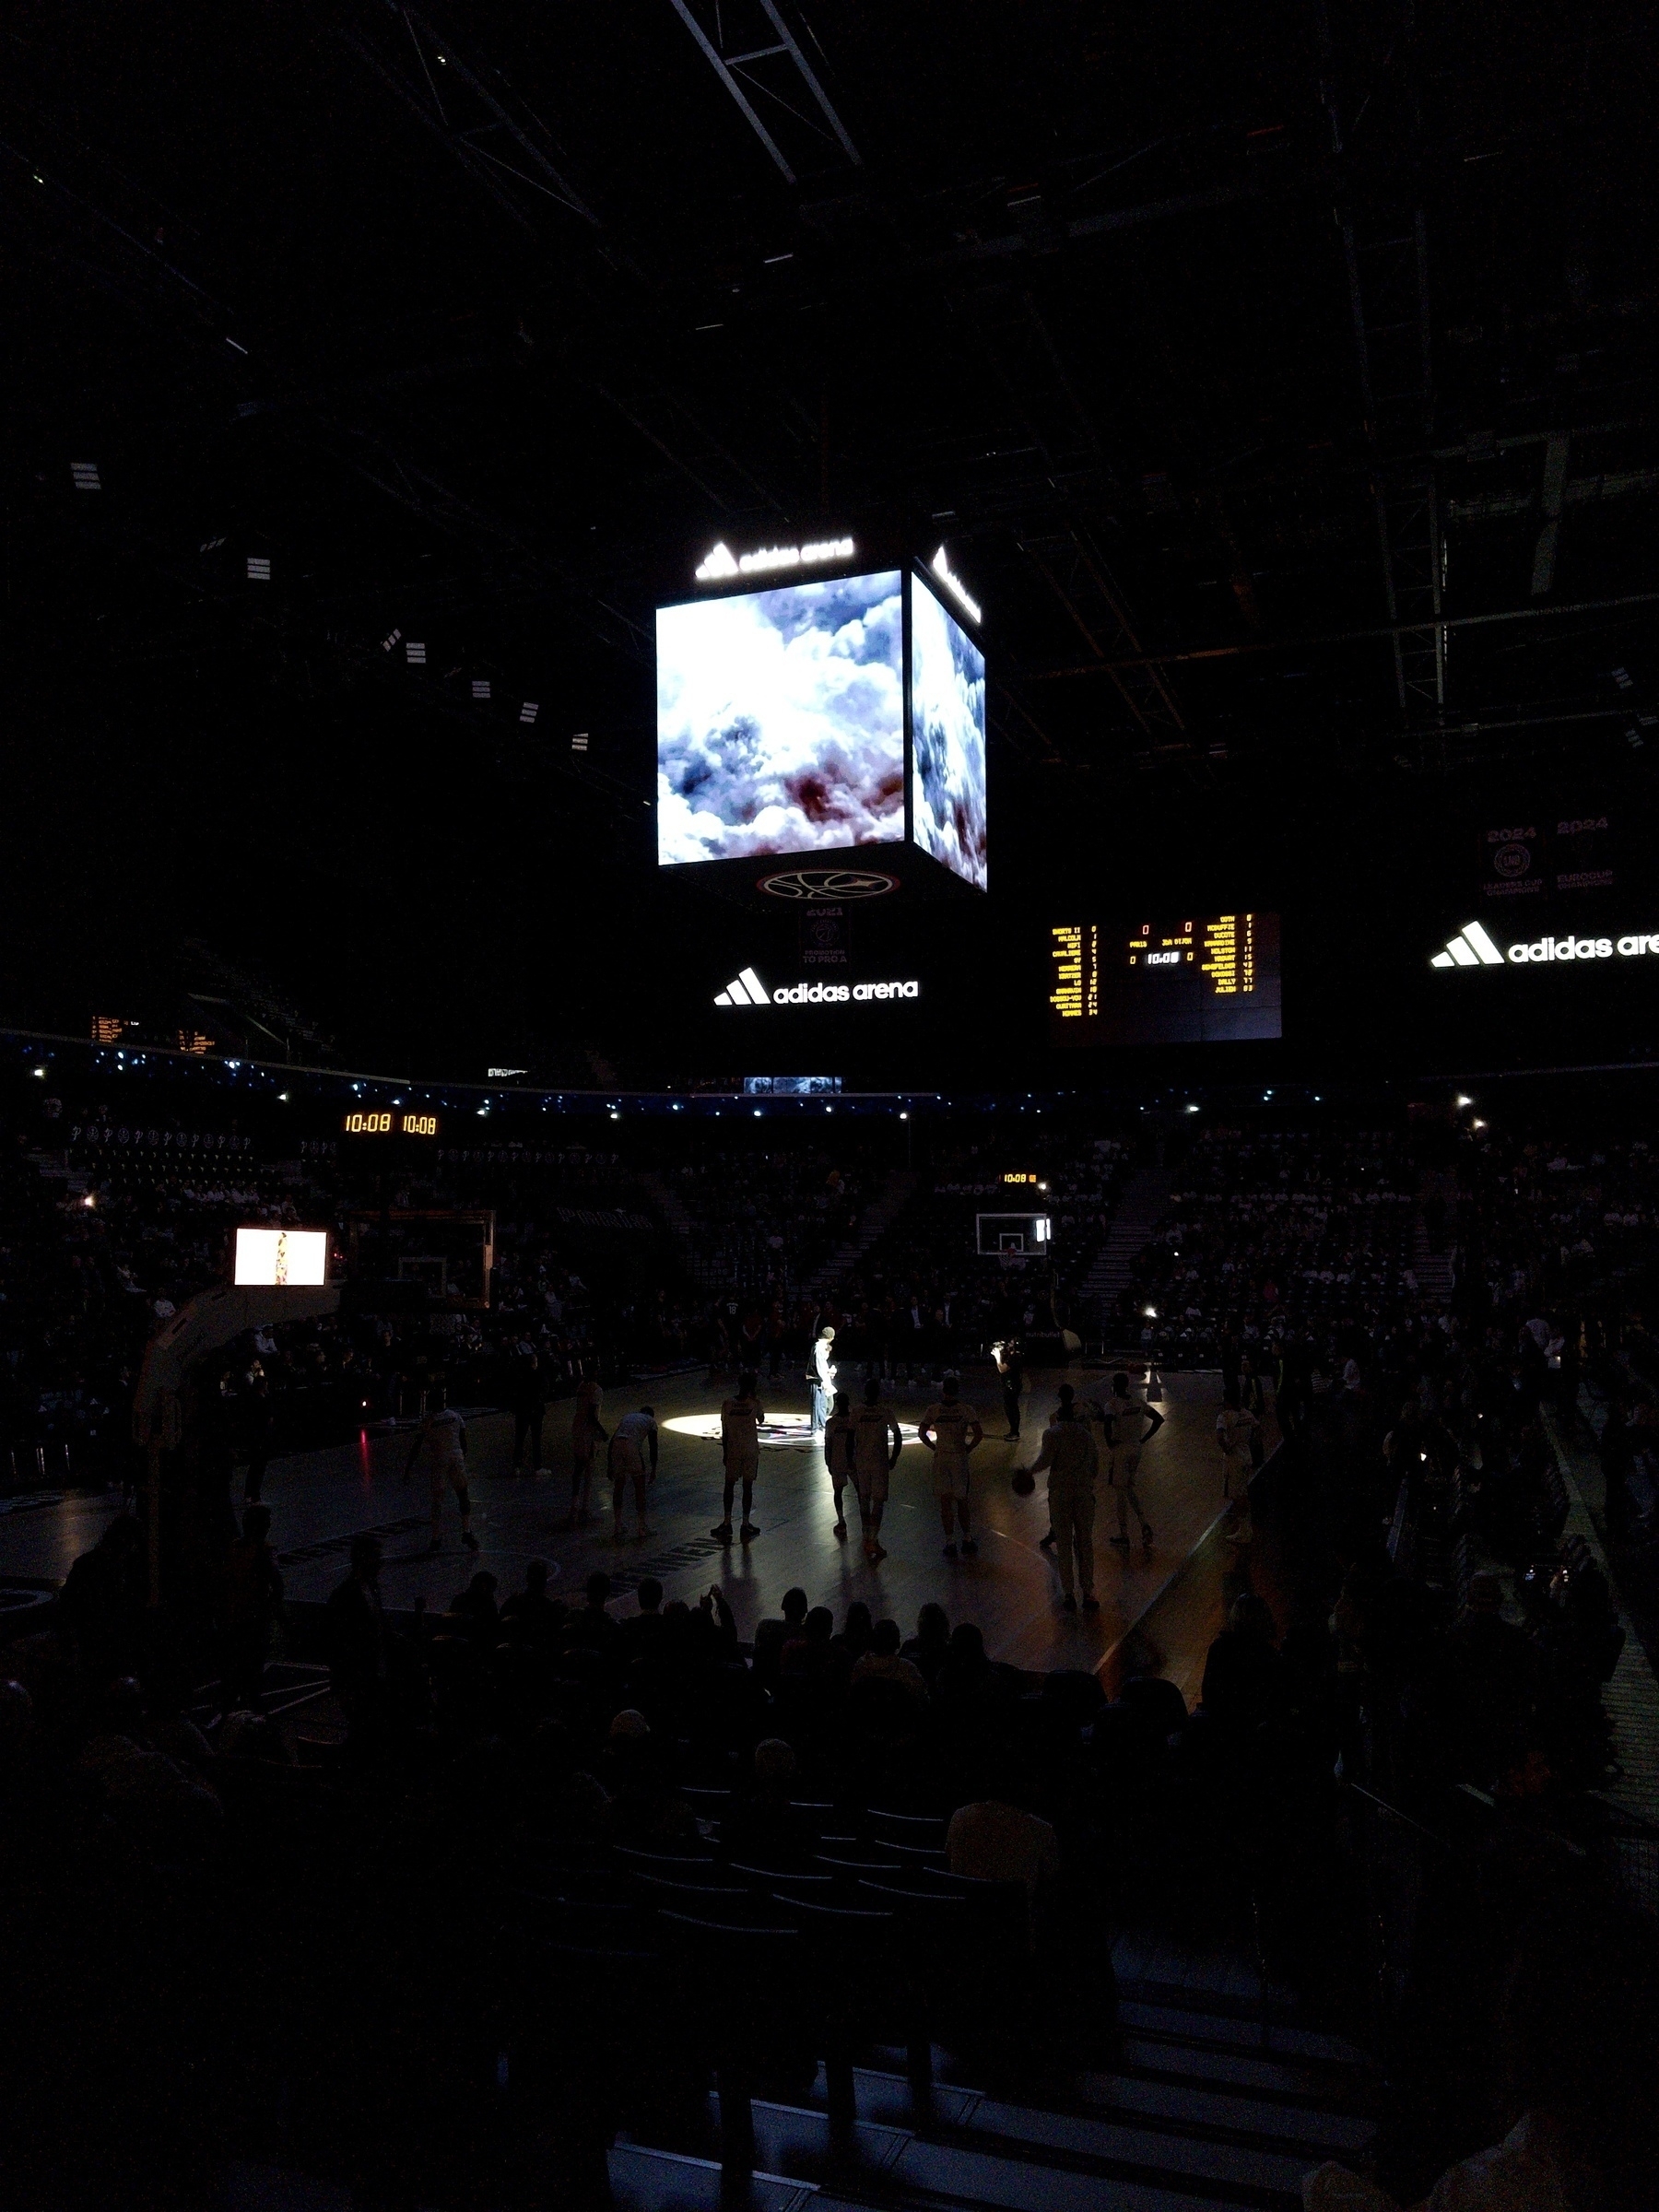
382, 1122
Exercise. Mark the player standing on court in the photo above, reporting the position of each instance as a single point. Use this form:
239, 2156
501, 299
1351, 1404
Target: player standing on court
1234, 1428
632, 1441
877, 1441
441, 1444
586, 1436
1126, 1431
952, 1431
740, 1422
838, 1458
1069, 1456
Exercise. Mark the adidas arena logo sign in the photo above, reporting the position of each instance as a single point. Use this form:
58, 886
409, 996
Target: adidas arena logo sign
746, 989
1472, 949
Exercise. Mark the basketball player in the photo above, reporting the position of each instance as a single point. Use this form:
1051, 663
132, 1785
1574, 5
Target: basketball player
838, 1457
1234, 1429
586, 1436
1069, 1457
952, 1431
822, 1378
875, 1429
1126, 1432
1010, 1370
633, 1440
740, 1423
440, 1445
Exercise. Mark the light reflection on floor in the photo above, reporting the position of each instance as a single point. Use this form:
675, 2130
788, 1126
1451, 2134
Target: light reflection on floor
792, 1432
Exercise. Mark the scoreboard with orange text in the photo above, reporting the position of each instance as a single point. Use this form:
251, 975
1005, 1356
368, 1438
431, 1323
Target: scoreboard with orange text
1200, 979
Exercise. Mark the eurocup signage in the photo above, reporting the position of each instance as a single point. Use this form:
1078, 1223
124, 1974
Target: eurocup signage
1473, 948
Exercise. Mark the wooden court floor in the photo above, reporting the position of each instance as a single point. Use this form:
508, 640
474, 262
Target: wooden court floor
1175, 1595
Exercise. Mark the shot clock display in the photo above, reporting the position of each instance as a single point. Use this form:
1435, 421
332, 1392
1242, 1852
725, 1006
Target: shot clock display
382, 1120
1200, 980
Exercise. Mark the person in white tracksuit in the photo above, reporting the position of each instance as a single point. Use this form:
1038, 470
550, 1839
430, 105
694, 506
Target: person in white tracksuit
822, 1379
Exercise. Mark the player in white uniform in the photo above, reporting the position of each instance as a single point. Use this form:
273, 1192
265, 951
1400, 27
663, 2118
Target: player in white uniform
952, 1431
740, 1423
634, 1442
1126, 1432
440, 1445
877, 1441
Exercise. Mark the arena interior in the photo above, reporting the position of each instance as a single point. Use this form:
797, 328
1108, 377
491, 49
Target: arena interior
828, 1035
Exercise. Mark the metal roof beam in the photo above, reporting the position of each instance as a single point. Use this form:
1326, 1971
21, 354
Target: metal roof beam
726, 65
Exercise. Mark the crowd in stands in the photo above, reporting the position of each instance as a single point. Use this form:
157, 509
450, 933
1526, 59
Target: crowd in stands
110, 1228
459, 1895
924, 1298
117, 1213
546, 1800
763, 1227
1271, 1232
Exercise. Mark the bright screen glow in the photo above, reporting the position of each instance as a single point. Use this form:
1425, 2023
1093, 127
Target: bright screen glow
948, 738
781, 720
294, 1257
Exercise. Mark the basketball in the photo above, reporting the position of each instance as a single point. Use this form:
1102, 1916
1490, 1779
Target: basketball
1022, 1482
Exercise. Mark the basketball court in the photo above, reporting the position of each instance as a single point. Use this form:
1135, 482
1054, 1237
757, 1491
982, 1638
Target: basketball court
1160, 1607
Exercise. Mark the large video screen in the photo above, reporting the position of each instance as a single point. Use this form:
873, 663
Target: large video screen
781, 720
1204, 980
947, 740
275, 1257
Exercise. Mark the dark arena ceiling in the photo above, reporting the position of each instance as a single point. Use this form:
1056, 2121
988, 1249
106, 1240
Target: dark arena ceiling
1282, 377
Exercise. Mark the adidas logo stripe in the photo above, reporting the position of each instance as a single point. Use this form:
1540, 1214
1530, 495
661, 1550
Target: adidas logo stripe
1470, 949
746, 990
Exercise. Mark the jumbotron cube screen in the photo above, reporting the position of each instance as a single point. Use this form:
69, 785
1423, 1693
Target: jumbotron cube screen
947, 740
1201, 980
781, 720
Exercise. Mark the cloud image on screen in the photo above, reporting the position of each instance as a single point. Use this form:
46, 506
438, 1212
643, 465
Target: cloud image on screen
781, 720
948, 734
